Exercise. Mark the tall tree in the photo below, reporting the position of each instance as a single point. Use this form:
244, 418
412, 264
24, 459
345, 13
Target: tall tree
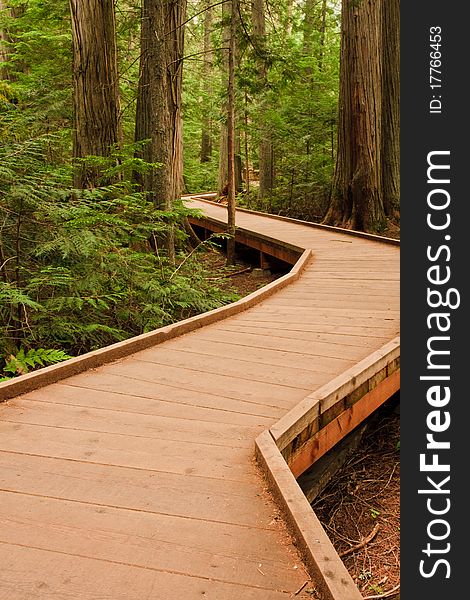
266, 166
308, 27
158, 117
95, 85
356, 197
227, 38
9, 67
231, 131
4, 48
322, 33
206, 134
391, 105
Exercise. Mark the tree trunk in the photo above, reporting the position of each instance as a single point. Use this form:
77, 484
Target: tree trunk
391, 105
266, 171
158, 117
206, 135
223, 181
247, 152
356, 198
322, 34
308, 26
95, 85
4, 48
289, 7
231, 195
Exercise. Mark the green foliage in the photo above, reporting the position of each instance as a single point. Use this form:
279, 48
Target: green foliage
77, 266
298, 102
40, 48
23, 362
300, 106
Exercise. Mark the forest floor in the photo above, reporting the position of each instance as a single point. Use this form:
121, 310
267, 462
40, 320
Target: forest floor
393, 229
240, 278
360, 509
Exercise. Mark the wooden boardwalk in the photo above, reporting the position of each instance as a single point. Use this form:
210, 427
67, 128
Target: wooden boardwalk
137, 480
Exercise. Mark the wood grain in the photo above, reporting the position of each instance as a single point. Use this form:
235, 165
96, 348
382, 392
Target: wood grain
129, 473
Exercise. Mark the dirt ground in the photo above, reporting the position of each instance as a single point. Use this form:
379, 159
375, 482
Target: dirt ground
393, 229
360, 510
240, 278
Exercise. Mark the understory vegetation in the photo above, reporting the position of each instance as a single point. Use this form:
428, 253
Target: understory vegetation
80, 269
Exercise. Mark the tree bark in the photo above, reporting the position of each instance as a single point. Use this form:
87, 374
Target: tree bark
356, 198
206, 134
247, 150
322, 35
231, 195
4, 48
158, 117
391, 105
95, 85
10, 67
308, 27
266, 170
223, 181
289, 10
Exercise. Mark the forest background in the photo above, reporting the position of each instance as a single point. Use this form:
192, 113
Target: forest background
110, 110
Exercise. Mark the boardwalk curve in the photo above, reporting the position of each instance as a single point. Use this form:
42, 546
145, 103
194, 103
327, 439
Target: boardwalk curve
136, 479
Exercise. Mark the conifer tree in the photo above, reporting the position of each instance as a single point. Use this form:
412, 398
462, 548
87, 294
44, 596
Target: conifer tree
159, 102
97, 129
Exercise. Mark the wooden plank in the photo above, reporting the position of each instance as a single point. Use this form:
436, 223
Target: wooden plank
370, 304
295, 421
219, 551
346, 336
389, 330
177, 392
319, 315
140, 490
309, 292
319, 281
34, 574
235, 362
332, 433
225, 385
329, 572
338, 357
358, 275
313, 481
123, 423
209, 207
128, 402
188, 458
294, 360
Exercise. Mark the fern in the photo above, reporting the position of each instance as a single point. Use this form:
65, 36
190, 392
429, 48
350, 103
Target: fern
85, 258
23, 362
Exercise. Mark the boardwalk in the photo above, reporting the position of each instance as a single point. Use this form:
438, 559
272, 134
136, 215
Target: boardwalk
137, 480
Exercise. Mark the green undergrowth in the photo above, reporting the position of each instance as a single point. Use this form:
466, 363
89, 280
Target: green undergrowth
83, 269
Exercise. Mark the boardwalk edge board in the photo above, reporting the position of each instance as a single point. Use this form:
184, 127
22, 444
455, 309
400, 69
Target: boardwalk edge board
368, 236
320, 557
351, 384
286, 252
367, 385
91, 360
